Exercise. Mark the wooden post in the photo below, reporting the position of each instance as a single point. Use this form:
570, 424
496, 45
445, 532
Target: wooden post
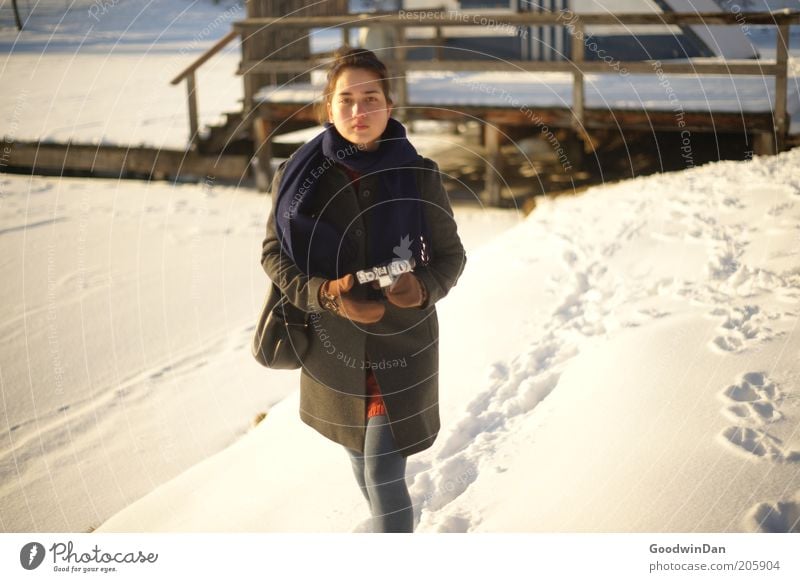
578, 97
263, 153
577, 77
781, 59
261, 162
260, 165
399, 72
345, 36
191, 90
438, 41
763, 144
491, 182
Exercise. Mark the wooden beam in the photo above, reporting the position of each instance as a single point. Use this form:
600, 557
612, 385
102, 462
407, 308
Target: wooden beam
218, 46
781, 58
123, 161
691, 68
262, 159
646, 120
191, 90
578, 99
400, 74
491, 181
563, 18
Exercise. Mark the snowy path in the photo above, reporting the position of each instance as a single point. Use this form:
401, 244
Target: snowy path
750, 299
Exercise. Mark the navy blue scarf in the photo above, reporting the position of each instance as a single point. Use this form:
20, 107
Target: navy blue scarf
398, 228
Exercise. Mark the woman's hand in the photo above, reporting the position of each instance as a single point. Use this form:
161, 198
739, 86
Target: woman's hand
406, 291
334, 295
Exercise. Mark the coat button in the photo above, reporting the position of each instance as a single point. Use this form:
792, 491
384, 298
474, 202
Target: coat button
358, 232
366, 194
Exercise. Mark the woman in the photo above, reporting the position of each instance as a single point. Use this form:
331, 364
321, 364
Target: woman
357, 196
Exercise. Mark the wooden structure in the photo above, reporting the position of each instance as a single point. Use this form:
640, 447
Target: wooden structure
261, 62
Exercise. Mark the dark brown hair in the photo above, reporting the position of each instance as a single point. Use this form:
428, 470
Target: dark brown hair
352, 58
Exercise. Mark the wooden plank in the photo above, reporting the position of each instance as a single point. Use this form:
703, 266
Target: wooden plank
492, 170
262, 160
191, 89
399, 74
578, 99
218, 46
564, 18
782, 55
690, 68
699, 121
50, 158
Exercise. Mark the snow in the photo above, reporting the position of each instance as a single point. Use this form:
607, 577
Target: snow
632, 351
127, 311
640, 375
106, 79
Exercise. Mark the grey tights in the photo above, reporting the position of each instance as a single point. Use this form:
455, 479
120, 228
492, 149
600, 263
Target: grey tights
381, 475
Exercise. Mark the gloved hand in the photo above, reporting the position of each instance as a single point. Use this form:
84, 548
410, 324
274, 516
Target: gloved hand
342, 303
406, 291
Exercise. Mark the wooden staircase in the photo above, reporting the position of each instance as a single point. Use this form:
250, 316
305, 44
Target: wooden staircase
232, 137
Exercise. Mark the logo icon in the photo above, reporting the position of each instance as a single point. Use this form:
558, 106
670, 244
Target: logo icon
31, 555
403, 251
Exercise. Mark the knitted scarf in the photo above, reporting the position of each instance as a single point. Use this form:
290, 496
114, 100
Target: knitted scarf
398, 228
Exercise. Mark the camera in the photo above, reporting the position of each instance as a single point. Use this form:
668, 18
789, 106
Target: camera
386, 273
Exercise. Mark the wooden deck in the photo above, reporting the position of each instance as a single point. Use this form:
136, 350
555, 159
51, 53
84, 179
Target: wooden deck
502, 125
766, 132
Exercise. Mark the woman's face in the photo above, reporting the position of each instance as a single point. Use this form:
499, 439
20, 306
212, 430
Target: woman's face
358, 107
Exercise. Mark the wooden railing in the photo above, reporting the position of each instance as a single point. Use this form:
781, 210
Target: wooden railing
191, 85
576, 24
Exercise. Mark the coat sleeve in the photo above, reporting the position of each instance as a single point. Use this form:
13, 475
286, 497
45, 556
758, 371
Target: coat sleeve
447, 253
301, 290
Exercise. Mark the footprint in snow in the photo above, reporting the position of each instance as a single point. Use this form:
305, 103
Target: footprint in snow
742, 328
782, 517
754, 404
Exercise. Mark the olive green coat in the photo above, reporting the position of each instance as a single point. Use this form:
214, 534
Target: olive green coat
402, 349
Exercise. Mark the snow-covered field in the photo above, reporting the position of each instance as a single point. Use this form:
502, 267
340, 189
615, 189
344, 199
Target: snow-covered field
632, 351
631, 365
126, 312
100, 72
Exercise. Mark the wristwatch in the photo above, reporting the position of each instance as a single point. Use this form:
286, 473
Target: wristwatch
328, 301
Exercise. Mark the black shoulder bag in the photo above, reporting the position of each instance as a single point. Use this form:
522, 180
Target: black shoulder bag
281, 338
